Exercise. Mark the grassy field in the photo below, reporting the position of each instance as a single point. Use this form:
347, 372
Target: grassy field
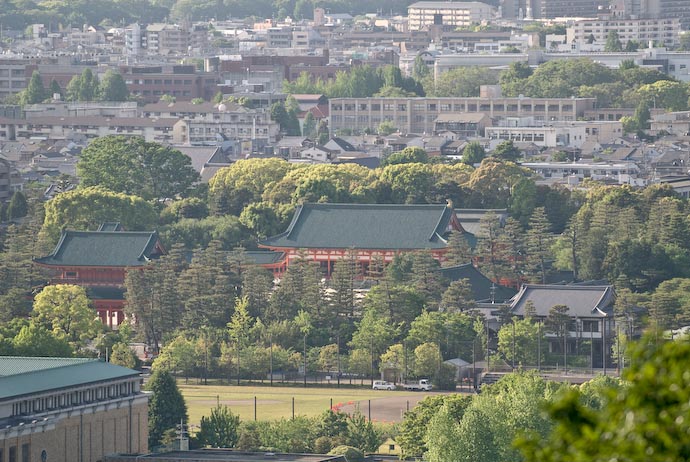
274, 402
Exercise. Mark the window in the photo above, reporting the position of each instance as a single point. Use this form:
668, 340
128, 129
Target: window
26, 450
590, 326
12, 454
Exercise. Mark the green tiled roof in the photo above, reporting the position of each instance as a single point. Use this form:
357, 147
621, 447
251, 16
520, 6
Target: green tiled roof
23, 376
365, 226
481, 285
264, 257
102, 248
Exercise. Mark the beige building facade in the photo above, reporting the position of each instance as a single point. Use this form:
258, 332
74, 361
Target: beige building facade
421, 15
69, 410
419, 115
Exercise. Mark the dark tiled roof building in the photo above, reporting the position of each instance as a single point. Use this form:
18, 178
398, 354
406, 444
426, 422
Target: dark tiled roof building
329, 232
98, 261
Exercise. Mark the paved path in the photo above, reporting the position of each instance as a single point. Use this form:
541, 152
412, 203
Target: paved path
390, 407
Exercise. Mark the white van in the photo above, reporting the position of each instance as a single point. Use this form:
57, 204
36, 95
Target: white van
383, 385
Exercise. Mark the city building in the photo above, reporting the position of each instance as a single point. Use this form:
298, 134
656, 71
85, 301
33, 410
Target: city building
664, 32
68, 128
422, 15
182, 82
99, 261
419, 115
69, 409
549, 9
544, 136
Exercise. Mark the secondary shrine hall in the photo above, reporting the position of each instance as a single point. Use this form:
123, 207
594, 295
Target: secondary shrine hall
326, 233
98, 261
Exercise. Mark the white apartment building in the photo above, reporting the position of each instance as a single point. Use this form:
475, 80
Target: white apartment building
545, 136
421, 15
660, 31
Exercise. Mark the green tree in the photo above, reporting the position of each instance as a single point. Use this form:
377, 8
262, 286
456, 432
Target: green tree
539, 241
459, 251
87, 208
177, 356
484, 429
517, 342
65, 309
506, 150
34, 92
18, 207
309, 126
413, 429
220, 430
55, 89
239, 327
653, 404
613, 42
122, 355
419, 69
112, 87
427, 360
131, 165
463, 81
83, 87
473, 153
166, 406
667, 94
458, 297
386, 128
407, 156
35, 340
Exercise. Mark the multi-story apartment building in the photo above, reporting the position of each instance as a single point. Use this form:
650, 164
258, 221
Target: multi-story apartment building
61, 128
421, 15
164, 39
181, 81
536, 9
419, 115
13, 76
679, 9
664, 32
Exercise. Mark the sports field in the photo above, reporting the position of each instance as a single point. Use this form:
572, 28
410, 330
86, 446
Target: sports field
276, 402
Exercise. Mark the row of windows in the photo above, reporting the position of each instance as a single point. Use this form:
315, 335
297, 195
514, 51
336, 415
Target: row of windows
157, 82
75, 398
448, 107
12, 453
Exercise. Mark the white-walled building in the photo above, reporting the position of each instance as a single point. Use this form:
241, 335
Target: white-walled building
665, 32
421, 15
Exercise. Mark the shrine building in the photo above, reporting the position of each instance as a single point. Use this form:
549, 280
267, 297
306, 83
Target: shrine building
98, 261
326, 233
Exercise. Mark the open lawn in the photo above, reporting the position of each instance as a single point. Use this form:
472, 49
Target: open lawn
276, 402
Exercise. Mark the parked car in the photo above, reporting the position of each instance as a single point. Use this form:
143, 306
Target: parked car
383, 385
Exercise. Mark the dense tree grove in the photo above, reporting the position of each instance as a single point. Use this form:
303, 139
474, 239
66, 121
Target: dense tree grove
627, 86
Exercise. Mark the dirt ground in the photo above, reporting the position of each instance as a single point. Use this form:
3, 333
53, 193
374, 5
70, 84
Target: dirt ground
388, 408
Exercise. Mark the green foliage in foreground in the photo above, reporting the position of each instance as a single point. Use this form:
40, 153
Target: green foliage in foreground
646, 420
